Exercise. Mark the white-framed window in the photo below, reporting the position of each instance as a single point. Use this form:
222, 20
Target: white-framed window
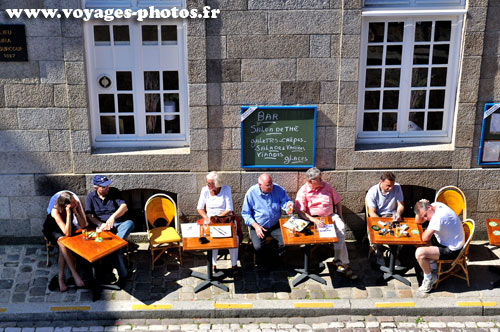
136, 73
409, 69
413, 3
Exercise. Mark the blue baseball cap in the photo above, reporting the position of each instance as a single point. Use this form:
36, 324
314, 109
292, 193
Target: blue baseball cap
101, 181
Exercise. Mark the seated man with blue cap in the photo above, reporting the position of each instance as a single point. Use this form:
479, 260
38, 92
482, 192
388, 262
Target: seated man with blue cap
105, 208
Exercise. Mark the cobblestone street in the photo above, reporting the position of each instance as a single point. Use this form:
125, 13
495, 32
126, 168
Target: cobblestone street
295, 324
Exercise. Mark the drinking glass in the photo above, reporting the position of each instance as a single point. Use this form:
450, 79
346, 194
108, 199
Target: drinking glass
98, 237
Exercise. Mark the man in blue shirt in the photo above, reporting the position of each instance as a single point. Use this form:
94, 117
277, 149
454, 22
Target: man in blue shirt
385, 199
262, 209
105, 208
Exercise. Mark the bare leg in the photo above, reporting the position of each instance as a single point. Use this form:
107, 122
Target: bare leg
69, 260
61, 264
424, 255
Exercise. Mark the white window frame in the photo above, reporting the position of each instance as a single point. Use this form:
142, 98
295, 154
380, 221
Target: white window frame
402, 135
140, 139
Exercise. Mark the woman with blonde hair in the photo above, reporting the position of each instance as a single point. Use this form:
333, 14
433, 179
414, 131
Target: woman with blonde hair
64, 212
215, 200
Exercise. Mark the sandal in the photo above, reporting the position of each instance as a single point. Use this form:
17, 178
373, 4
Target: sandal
349, 273
340, 267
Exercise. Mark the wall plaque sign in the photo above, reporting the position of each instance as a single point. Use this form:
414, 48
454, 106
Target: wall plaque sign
13, 42
278, 136
489, 147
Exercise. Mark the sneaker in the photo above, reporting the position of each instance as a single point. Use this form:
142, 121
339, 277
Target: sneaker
427, 284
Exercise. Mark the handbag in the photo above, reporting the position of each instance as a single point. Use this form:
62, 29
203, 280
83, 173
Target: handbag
222, 219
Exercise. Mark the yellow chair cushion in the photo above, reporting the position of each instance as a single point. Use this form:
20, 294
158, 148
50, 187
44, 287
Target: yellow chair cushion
163, 235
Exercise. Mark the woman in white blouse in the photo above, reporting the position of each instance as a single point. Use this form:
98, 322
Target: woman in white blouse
215, 200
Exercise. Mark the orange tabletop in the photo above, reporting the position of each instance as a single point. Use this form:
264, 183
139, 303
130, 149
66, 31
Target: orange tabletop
193, 243
289, 239
493, 227
376, 238
91, 250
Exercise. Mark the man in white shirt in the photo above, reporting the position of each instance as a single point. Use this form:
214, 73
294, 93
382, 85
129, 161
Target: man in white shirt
446, 233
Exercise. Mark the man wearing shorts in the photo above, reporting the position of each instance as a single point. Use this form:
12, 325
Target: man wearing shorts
445, 234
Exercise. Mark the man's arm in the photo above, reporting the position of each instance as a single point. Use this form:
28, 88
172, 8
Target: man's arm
372, 212
400, 209
89, 212
118, 213
427, 235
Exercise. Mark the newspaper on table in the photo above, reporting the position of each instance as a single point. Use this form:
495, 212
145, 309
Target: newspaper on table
328, 230
296, 223
190, 230
220, 231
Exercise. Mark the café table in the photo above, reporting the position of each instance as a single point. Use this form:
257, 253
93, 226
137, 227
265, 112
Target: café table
493, 228
194, 244
92, 251
415, 238
291, 238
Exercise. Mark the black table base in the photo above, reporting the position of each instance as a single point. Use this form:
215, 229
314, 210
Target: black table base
210, 277
390, 271
495, 269
305, 273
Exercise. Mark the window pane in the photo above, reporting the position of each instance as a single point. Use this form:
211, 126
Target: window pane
170, 102
370, 122
389, 121
149, 35
435, 121
106, 103
395, 32
423, 31
421, 54
124, 80
440, 54
170, 80
416, 121
373, 78
168, 35
392, 77
436, 98
126, 124
438, 77
417, 99
108, 126
151, 80
374, 55
153, 124
391, 100
121, 35
101, 35
442, 31
393, 56
372, 100
376, 32
152, 102
125, 103
419, 77
172, 124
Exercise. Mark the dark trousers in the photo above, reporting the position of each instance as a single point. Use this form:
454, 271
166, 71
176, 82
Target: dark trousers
274, 231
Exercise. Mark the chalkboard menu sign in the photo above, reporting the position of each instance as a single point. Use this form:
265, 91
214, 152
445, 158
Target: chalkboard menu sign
13, 43
489, 147
278, 136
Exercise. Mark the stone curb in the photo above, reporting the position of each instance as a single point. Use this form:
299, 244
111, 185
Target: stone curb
255, 309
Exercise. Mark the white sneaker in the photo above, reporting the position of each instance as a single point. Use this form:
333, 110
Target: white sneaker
427, 284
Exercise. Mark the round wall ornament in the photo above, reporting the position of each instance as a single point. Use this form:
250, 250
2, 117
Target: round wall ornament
104, 81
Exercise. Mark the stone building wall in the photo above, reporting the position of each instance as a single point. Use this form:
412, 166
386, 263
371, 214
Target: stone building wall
258, 52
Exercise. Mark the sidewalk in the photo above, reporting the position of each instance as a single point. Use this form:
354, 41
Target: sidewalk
167, 292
